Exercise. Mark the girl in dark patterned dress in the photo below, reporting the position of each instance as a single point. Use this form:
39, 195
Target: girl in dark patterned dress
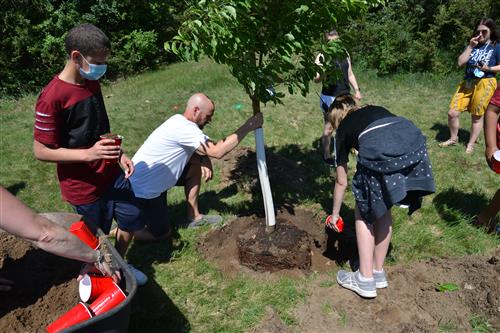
393, 167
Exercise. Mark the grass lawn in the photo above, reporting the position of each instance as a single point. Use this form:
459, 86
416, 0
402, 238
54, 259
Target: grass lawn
188, 294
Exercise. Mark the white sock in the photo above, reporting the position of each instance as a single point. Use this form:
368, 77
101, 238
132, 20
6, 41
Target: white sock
364, 279
381, 271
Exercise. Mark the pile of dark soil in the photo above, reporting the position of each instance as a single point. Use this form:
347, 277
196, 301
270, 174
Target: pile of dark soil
297, 247
45, 286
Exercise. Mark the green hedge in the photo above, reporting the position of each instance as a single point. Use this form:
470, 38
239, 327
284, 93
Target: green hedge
401, 36
32, 43
416, 35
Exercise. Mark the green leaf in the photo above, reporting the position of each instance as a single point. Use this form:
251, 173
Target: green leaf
447, 286
231, 10
213, 43
286, 58
302, 9
289, 37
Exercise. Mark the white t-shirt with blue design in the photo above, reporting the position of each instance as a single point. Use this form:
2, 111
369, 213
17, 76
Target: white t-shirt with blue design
487, 54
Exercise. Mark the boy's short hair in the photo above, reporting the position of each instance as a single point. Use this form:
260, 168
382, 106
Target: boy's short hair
86, 39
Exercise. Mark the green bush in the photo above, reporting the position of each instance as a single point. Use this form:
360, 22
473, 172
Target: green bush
32, 47
415, 35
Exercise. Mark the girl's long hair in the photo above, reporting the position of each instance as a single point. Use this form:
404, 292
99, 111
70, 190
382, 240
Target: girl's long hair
490, 23
340, 108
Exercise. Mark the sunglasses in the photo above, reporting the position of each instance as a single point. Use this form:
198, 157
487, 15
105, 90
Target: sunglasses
484, 32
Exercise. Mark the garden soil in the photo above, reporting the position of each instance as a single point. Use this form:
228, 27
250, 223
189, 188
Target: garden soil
45, 286
411, 303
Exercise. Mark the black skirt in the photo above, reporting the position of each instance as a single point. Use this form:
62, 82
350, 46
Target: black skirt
393, 167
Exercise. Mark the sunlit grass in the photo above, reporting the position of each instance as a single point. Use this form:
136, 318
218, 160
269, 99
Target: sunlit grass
188, 294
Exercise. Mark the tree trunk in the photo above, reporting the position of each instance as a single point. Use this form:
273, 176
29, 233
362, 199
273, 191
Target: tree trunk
263, 176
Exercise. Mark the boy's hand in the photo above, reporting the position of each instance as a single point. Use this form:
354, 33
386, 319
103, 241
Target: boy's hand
127, 165
102, 149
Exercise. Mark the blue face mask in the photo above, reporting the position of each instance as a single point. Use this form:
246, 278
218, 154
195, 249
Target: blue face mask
95, 71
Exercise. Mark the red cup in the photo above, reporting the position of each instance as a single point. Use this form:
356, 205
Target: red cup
118, 142
76, 315
107, 300
496, 162
92, 286
80, 230
339, 223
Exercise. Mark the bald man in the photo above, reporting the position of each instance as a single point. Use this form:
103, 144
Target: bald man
177, 153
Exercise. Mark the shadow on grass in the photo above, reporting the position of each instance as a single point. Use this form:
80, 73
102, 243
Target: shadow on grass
153, 310
443, 133
297, 174
14, 189
454, 205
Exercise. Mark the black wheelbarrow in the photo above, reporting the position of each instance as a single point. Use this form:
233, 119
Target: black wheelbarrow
117, 319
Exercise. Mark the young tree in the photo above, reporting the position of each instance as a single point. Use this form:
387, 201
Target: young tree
264, 43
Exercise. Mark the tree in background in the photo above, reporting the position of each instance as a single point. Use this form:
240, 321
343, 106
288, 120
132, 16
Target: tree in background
415, 35
33, 32
265, 43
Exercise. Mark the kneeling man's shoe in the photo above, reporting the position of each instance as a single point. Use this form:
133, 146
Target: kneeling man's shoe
205, 220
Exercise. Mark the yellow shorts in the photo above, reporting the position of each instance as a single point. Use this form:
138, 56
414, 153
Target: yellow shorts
473, 95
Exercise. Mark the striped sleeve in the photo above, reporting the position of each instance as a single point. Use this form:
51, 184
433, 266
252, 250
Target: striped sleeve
45, 129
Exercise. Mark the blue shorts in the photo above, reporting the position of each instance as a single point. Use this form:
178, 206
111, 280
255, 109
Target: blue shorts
325, 101
131, 213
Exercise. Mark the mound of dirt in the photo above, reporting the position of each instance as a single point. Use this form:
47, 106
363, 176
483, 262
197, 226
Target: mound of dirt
45, 286
412, 303
288, 247
220, 246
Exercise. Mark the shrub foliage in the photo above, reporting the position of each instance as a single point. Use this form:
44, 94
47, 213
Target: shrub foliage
400, 35
33, 32
415, 35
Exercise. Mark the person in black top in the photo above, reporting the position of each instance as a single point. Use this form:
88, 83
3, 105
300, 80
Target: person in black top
333, 87
393, 167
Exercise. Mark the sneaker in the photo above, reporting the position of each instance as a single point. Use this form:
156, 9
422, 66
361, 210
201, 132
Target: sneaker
351, 281
400, 205
205, 220
140, 277
380, 279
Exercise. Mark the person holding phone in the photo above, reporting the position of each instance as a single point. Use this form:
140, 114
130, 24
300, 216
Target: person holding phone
479, 83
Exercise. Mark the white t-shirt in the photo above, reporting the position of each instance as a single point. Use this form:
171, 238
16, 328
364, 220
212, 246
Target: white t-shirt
162, 157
